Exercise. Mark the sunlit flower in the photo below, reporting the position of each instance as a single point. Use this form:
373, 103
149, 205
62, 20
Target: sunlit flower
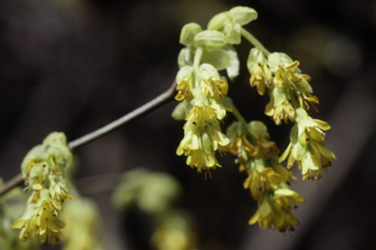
289, 89
202, 137
307, 146
279, 107
184, 83
261, 75
275, 210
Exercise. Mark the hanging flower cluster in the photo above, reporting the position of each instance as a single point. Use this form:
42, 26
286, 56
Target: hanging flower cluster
200, 88
43, 171
202, 93
267, 178
291, 97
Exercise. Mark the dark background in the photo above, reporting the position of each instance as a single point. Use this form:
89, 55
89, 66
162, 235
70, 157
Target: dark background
74, 66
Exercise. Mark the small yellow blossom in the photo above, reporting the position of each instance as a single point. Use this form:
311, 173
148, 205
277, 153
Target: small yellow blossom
261, 75
214, 90
261, 179
274, 210
202, 137
279, 107
40, 219
289, 89
43, 171
307, 146
184, 83
267, 179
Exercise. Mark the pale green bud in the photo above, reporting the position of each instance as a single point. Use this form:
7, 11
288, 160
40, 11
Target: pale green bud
277, 58
242, 15
54, 148
255, 56
206, 141
208, 71
188, 33
257, 129
210, 39
234, 65
234, 131
232, 32
218, 21
180, 111
185, 58
218, 58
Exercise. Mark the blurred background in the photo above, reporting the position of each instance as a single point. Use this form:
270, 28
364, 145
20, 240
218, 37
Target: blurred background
76, 65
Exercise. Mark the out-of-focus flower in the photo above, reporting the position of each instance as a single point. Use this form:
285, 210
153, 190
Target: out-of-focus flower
80, 233
40, 219
43, 170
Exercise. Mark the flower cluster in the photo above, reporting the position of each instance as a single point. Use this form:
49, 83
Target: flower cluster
267, 179
290, 99
201, 89
289, 89
307, 146
43, 171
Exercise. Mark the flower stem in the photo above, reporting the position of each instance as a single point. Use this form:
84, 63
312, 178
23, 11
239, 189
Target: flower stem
227, 101
254, 41
198, 55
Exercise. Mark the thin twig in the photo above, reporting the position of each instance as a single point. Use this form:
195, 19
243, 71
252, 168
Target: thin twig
14, 182
137, 113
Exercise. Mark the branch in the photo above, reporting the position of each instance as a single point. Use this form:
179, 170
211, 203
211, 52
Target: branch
135, 114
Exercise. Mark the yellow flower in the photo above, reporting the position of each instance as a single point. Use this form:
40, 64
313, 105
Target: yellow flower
288, 76
279, 107
40, 219
289, 89
59, 189
261, 179
202, 137
214, 90
274, 210
184, 83
261, 75
307, 146
243, 149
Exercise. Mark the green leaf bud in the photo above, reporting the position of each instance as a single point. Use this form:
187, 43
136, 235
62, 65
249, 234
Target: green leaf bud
234, 65
255, 56
218, 21
180, 111
242, 15
188, 33
218, 58
210, 39
257, 128
185, 58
